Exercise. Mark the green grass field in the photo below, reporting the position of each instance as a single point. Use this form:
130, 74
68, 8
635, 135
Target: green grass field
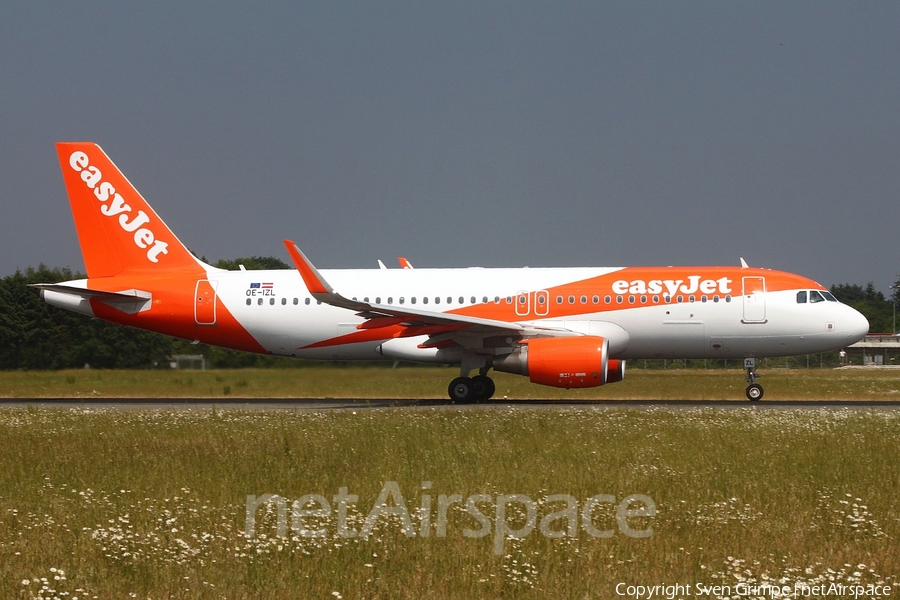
99, 503
431, 382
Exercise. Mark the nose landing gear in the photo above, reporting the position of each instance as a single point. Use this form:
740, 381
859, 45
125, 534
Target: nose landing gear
754, 391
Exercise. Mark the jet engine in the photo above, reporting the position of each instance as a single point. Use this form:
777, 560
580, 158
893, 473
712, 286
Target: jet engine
565, 362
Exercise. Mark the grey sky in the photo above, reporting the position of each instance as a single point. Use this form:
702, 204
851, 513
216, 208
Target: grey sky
459, 134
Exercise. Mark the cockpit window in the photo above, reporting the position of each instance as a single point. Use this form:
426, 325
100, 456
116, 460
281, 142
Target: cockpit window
829, 297
815, 296
801, 297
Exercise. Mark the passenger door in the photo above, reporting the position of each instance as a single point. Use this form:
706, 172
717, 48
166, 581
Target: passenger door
205, 302
754, 294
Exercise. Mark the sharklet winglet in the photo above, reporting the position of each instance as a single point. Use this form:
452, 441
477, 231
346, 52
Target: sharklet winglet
320, 289
314, 281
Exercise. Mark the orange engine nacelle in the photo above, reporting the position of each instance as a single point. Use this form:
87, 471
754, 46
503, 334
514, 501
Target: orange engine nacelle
569, 362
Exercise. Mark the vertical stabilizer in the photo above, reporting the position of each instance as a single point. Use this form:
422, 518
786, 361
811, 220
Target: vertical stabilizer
117, 229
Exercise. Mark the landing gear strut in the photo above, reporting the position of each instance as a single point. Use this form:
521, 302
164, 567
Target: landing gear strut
472, 389
754, 391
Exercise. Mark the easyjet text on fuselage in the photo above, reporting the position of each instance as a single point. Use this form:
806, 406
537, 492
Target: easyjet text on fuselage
695, 284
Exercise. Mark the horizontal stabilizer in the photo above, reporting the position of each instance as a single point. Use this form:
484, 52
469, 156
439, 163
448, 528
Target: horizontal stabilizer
126, 296
128, 301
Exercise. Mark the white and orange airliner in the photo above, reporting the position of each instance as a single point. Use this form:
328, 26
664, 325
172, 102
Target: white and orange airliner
561, 327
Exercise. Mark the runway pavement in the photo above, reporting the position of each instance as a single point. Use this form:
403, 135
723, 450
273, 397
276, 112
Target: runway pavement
369, 403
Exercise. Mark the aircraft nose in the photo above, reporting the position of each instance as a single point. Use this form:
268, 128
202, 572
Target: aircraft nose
855, 324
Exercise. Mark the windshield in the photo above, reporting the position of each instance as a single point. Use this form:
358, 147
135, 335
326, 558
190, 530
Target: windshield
813, 296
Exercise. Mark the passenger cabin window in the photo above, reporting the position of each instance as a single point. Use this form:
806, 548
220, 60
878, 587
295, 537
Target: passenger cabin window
801, 297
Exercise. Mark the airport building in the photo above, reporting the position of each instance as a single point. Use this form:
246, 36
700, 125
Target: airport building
878, 350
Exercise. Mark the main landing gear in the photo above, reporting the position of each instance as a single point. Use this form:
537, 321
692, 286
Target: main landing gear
471, 389
754, 391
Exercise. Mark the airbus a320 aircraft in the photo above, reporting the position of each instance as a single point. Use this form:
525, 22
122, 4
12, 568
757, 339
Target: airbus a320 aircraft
561, 327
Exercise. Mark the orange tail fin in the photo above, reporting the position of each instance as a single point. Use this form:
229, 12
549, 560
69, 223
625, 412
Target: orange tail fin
117, 229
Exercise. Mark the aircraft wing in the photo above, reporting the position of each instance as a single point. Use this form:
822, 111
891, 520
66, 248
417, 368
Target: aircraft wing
380, 315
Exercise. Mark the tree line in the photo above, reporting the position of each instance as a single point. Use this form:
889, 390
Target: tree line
34, 335
879, 309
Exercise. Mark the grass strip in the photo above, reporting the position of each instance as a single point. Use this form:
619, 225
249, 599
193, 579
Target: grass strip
107, 504
431, 382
